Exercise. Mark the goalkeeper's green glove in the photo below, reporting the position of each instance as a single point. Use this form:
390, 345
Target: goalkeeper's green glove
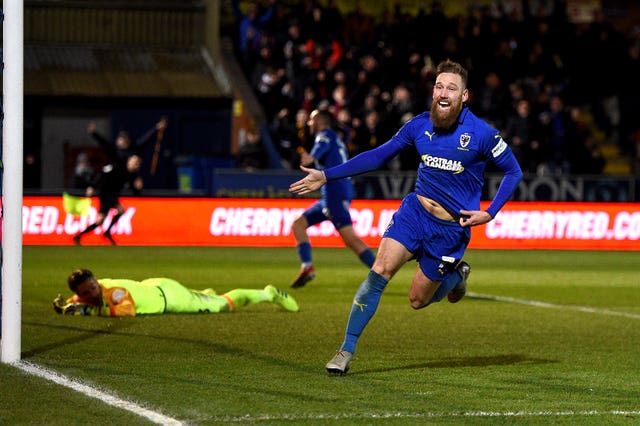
76, 309
58, 304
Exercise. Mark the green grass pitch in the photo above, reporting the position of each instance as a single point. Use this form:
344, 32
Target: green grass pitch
573, 360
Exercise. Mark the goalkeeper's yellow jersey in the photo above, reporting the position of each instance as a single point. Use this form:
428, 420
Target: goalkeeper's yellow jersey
122, 297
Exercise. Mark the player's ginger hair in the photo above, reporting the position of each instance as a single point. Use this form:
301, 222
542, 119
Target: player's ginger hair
452, 67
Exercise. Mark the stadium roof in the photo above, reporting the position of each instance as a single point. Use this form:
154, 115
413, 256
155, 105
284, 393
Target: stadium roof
84, 70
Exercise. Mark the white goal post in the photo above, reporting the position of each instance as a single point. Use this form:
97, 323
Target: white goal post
12, 153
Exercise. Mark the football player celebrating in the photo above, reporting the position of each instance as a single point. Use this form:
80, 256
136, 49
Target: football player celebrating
433, 222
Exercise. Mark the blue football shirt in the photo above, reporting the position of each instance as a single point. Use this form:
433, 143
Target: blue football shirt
329, 151
452, 163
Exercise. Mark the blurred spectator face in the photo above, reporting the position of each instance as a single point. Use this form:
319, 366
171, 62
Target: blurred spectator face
492, 80
317, 14
340, 94
555, 104
123, 141
516, 91
401, 95
309, 93
372, 119
302, 116
370, 102
294, 31
30, 159
369, 63
340, 77
449, 94
575, 114
265, 53
133, 163
523, 108
253, 136
344, 116
82, 163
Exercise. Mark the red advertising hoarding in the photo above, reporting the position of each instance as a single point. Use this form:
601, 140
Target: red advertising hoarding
267, 223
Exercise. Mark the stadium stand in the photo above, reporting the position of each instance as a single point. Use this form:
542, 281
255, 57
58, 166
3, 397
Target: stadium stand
108, 55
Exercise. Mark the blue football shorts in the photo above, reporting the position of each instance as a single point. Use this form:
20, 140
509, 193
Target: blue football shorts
334, 209
437, 245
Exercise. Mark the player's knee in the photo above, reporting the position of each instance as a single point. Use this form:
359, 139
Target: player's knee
300, 224
421, 292
417, 301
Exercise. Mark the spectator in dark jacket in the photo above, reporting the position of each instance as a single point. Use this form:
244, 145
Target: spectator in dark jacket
252, 155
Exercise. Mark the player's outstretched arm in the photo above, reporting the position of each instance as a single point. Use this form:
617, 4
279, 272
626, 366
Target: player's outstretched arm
311, 182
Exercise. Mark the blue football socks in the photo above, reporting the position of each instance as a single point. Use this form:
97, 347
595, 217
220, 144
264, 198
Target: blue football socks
364, 306
304, 252
449, 282
367, 257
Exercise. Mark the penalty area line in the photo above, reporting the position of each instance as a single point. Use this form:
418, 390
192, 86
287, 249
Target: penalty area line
540, 304
92, 392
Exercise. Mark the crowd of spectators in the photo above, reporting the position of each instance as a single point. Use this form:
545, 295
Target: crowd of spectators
556, 89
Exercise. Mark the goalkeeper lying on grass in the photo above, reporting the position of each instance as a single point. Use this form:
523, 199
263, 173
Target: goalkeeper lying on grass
123, 297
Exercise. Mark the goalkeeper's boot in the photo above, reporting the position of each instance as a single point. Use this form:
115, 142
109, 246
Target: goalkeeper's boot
339, 364
460, 289
108, 236
282, 298
305, 275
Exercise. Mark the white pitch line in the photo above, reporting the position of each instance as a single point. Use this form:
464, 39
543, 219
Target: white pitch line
91, 392
469, 414
553, 305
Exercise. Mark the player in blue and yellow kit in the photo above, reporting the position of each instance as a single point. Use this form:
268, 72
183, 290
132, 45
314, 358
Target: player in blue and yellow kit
433, 222
328, 150
123, 297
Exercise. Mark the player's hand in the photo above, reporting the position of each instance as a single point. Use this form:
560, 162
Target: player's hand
76, 309
162, 124
138, 183
58, 304
312, 182
474, 217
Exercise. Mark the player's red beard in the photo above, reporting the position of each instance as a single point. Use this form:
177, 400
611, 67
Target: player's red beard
445, 119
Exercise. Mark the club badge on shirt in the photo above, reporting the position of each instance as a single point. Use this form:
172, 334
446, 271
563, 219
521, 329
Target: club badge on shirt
465, 138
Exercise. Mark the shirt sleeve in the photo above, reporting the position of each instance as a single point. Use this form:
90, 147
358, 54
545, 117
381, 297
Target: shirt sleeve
505, 160
118, 302
365, 161
320, 148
